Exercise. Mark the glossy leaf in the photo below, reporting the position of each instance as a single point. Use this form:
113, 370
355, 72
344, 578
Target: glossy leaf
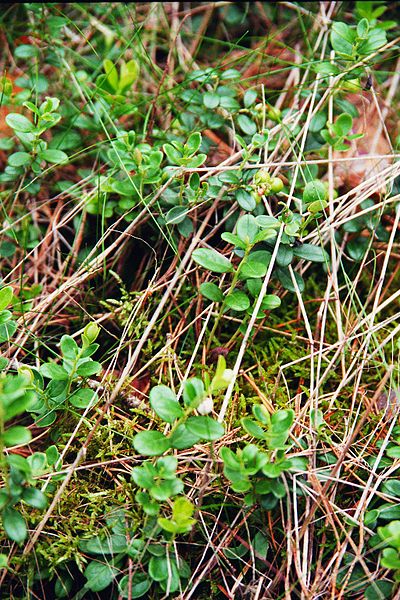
237, 300
99, 575
17, 435
205, 427
212, 260
151, 443
311, 253
19, 123
164, 402
255, 265
211, 291
6, 294
14, 525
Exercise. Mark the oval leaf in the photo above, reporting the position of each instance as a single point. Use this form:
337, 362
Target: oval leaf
14, 525
237, 300
311, 252
151, 443
255, 265
164, 402
19, 123
211, 291
205, 427
212, 260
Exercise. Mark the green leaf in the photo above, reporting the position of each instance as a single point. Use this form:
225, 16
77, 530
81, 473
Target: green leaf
266, 222
237, 300
89, 368
284, 255
194, 142
111, 544
17, 435
53, 156
38, 463
111, 74
8, 248
158, 568
247, 125
376, 39
145, 476
69, 347
18, 159
211, 292
176, 215
181, 522
249, 97
342, 38
52, 455
205, 427
194, 182
196, 161
231, 238
270, 302
135, 586
129, 72
211, 100
231, 176
231, 74
326, 68
151, 443
193, 392
343, 124
380, 589
164, 402
83, 398
230, 459
392, 487
183, 438
357, 248
247, 228
174, 156
311, 252
182, 509
169, 525
34, 498
261, 414
99, 575
282, 420
390, 559
18, 405
6, 295
14, 525
286, 280
362, 28
229, 103
212, 260
26, 51
318, 206
19, 123
53, 371
252, 428
255, 265
245, 200
390, 533
314, 191
318, 122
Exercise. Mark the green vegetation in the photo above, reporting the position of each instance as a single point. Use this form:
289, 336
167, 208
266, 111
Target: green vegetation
199, 324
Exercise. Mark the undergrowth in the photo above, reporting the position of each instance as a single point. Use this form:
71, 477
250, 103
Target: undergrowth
199, 385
